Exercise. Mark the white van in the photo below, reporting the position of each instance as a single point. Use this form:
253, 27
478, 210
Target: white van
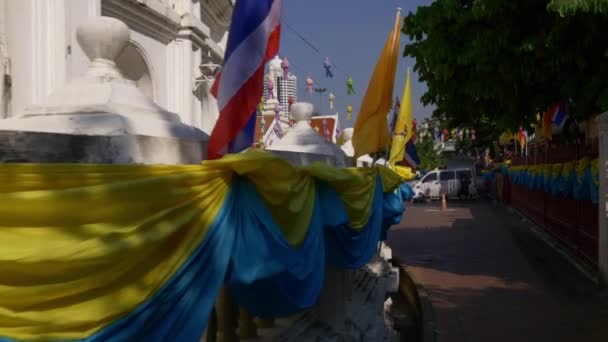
437, 182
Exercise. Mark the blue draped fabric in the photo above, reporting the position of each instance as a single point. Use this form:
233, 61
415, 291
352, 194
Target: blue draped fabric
594, 192
247, 250
180, 310
393, 207
405, 192
581, 186
556, 185
351, 249
504, 169
270, 279
267, 276
547, 180
488, 175
566, 187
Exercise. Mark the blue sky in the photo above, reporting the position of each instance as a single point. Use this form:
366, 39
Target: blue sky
351, 33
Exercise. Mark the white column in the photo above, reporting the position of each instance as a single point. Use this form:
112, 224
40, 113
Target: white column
181, 72
4, 59
37, 36
602, 121
49, 47
180, 77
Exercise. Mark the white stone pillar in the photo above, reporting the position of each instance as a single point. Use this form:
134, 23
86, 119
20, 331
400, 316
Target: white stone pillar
37, 35
182, 71
4, 60
602, 121
49, 47
180, 76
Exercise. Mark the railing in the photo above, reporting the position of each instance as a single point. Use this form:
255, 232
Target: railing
573, 222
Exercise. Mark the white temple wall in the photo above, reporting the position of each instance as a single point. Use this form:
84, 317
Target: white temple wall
37, 48
169, 35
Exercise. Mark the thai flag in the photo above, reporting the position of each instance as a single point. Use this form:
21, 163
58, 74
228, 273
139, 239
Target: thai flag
253, 40
559, 116
410, 155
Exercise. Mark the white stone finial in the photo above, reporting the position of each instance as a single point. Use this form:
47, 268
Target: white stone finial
347, 133
103, 39
302, 111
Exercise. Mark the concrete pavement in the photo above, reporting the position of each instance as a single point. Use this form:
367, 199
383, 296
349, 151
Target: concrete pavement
484, 285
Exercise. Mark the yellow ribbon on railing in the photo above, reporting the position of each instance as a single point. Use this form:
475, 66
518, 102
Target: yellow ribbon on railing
595, 171
556, 170
567, 169
581, 166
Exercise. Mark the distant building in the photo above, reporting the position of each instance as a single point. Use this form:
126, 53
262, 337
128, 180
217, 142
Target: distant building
283, 88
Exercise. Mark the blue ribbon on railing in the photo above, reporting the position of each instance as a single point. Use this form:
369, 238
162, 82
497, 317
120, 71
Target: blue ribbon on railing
582, 188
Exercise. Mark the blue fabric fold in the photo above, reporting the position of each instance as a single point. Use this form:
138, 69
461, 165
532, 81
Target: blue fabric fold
267, 276
582, 188
556, 185
245, 249
270, 279
547, 180
179, 311
393, 207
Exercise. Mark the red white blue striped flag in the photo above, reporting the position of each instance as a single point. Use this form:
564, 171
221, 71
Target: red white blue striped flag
253, 40
411, 155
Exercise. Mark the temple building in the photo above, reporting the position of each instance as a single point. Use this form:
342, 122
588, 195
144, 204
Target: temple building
278, 91
176, 48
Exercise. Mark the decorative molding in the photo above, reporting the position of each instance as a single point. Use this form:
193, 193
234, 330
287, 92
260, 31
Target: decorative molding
213, 51
219, 11
153, 18
194, 29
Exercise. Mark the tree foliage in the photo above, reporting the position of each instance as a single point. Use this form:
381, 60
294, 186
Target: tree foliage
502, 62
429, 158
570, 7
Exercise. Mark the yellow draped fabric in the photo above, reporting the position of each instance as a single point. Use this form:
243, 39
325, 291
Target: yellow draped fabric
556, 170
595, 171
404, 171
567, 169
581, 165
83, 245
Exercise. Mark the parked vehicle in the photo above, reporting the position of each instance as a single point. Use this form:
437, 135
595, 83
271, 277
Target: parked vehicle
451, 182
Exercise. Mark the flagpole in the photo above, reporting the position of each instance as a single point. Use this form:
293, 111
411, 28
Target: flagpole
397, 19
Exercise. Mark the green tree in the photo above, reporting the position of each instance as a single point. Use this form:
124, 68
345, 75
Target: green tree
570, 7
505, 61
429, 158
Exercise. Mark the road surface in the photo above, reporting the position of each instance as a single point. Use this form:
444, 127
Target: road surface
482, 284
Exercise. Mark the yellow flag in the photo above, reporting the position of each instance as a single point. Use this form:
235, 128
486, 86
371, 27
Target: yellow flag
371, 129
403, 126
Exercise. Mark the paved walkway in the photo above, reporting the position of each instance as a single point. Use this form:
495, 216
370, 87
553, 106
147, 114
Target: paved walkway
481, 284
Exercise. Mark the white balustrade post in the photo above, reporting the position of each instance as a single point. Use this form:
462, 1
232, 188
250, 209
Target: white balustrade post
602, 121
209, 109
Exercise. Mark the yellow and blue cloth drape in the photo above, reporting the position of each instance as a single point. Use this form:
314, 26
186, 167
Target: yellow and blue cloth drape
577, 179
139, 253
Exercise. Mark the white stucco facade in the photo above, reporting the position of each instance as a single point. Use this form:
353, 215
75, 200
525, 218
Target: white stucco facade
175, 49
